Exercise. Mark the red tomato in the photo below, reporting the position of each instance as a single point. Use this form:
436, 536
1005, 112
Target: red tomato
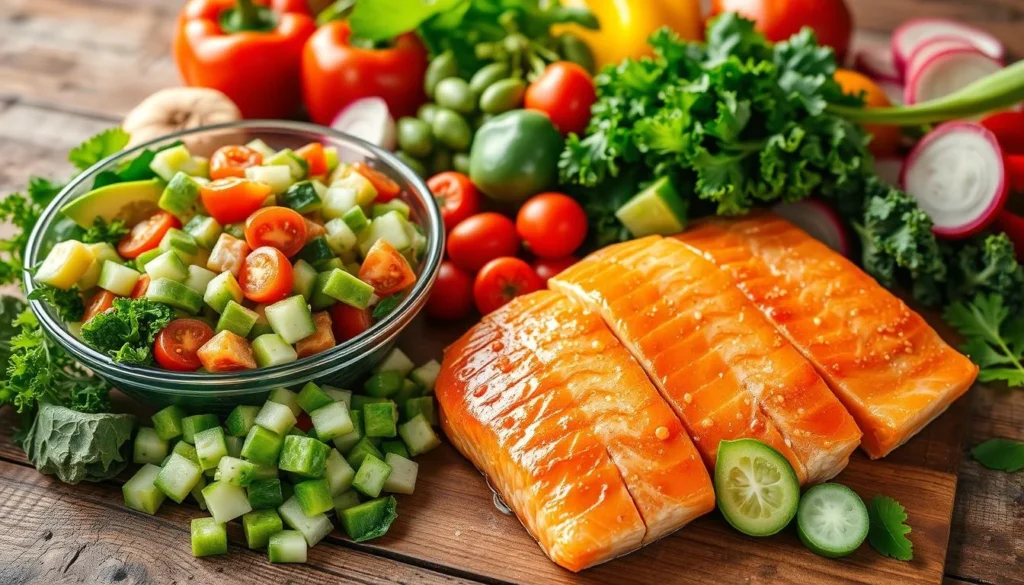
481, 238
313, 229
231, 161
232, 200
141, 286
456, 195
387, 188
146, 234
502, 280
1009, 130
348, 321
101, 301
277, 227
451, 297
177, 345
565, 93
386, 270
548, 268
316, 160
266, 275
303, 422
552, 225
781, 19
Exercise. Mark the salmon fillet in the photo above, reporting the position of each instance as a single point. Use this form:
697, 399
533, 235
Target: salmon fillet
888, 367
724, 369
547, 403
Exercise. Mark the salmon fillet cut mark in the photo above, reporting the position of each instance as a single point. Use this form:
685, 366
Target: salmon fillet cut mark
889, 368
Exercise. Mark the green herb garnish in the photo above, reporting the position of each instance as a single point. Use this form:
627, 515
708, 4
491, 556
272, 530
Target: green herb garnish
888, 530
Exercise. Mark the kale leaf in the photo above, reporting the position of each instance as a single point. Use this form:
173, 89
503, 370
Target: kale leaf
126, 333
103, 232
76, 446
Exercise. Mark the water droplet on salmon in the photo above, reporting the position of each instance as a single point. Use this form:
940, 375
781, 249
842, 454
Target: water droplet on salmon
661, 433
480, 390
497, 346
503, 364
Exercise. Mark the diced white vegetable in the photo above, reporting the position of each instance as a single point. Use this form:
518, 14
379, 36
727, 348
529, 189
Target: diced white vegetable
395, 361
403, 474
312, 528
118, 278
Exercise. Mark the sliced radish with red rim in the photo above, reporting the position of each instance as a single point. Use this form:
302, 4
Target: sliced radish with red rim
913, 33
368, 119
819, 221
933, 46
876, 62
946, 72
957, 176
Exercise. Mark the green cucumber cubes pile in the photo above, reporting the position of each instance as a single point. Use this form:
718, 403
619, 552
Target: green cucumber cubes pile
284, 482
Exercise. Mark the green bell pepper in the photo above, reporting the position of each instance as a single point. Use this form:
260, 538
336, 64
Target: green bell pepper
515, 156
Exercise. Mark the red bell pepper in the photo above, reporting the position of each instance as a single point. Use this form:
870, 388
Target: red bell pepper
250, 50
336, 73
1009, 130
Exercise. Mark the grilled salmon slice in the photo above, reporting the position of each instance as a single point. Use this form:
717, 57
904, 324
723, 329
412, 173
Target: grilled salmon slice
544, 400
724, 369
888, 367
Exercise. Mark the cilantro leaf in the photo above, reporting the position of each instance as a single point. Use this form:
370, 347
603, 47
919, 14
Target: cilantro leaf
887, 531
1000, 454
98, 147
68, 303
101, 231
126, 333
993, 338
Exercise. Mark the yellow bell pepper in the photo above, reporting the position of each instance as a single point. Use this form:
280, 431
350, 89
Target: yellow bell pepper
626, 24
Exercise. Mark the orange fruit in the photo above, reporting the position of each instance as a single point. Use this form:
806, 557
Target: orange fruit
886, 139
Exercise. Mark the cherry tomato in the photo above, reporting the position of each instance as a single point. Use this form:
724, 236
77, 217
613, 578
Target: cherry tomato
303, 422
781, 19
456, 195
552, 225
348, 321
177, 345
451, 297
502, 280
232, 200
386, 270
313, 229
316, 160
141, 286
146, 234
231, 161
266, 275
565, 93
481, 238
387, 188
548, 268
100, 302
277, 227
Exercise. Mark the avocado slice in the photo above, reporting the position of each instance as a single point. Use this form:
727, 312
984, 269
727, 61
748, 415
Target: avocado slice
131, 202
658, 209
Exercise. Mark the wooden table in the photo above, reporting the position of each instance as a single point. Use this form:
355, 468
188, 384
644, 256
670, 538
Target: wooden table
70, 69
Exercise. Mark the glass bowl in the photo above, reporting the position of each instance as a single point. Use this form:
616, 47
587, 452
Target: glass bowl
340, 366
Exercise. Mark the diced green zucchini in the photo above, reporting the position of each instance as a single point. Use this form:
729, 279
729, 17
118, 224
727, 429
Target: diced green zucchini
342, 286
167, 265
236, 471
180, 195
199, 278
339, 236
236, 319
408, 390
370, 519
178, 477
223, 289
192, 425
187, 451
313, 528
265, 493
658, 209
361, 450
210, 447
234, 445
338, 473
360, 401
402, 479
303, 197
339, 395
279, 177
296, 164
346, 442
371, 476
379, 420
304, 456
271, 350
311, 397
314, 496
276, 417
332, 421
117, 278
204, 230
167, 422
171, 161
149, 447
321, 300
104, 251
286, 397
395, 361
356, 219
140, 493
345, 500
384, 383
422, 405
389, 227
287, 546
398, 205
267, 471
209, 537
175, 294
226, 501
259, 526
303, 279
145, 258
291, 319
426, 375
419, 437
240, 420
396, 447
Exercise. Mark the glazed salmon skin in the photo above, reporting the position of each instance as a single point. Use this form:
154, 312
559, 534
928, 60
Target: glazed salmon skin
883, 361
724, 369
564, 423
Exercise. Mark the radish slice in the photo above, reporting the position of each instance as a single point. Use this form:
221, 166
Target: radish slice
913, 33
946, 72
894, 91
889, 169
368, 119
876, 62
933, 46
957, 175
819, 221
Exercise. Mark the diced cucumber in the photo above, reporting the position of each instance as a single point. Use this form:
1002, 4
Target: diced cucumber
313, 528
140, 493
266, 471
204, 230
181, 243
149, 447
202, 174
279, 177
403, 474
210, 447
340, 237
171, 161
658, 209
187, 451
338, 473
286, 397
223, 289
314, 496
117, 278
422, 405
345, 500
178, 477
209, 537
321, 300
234, 445
259, 526
236, 471
180, 195
192, 425
398, 205
331, 157
291, 319
240, 420
287, 546
226, 501
408, 390
276, 417
363, 448
396, 447
261, 147
419, 243
384, 383
389, 227
339, 395
104, 251
236, 319
271, 350
379, 420
175, 294
349, 177
316, 251
344, 287
426, 375
419, 437
311, 397
337, 201
167, 422
356, 220
395, 361
370, 519
265, 493
235, 230
197, 491
303, 197
296, 164
262, 326
145, 258
303, 279
371, 476
199, 278
91, 276
66, 263
332, 421
346, 442
360, 401
304, 456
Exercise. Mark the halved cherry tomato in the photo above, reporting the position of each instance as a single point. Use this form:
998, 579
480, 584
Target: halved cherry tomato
141, 286
266, 275
231, 161
313, 154
313, 229
146, 234
303, 422
101, 301
387, 188
451, 297
348, 321
386, 270
456, 195
227, 352
481, 238
502, 280
277, 227
321, 340
177, 345
552, 225
548, 268
232, 200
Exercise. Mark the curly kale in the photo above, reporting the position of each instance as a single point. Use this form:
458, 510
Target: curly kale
985, 264
126, 333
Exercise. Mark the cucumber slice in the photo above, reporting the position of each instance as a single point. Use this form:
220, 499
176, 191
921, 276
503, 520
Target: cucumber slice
236, 471
304, 456
265, 493
187, 451
240, 420
276, 417
395, 361
345, 500
180, 195
313, 528
756, 488
178, 477
344, 287
236, 319
658, 209
287, 546
279, 177
197, 423
356, 219
379, 419
286, 397
262, 326
149, 447
140, 493
396, 447
426, 375
271, 350
363, 448
167, 422
223, 289
261, 147
316, 251
210, 447
389, 227
339, 395
345, 443
262, 446
103, 251
291, 319
199, 278
311, 398
171, 161
832, 520
296, 164
402, 479
314, 496
304, 197
418, 436
369, 520
175, 294
65, 265
259, 526
332, 421
226, 501
408, 391
303, 279
181, 243
234, 445
209, 537
235, 230
340, 237
117, 278
384, 383
338, 473
421, 405
144, 258
204, 230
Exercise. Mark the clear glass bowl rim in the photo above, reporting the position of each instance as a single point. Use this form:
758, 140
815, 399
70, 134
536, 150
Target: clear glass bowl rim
183, 384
